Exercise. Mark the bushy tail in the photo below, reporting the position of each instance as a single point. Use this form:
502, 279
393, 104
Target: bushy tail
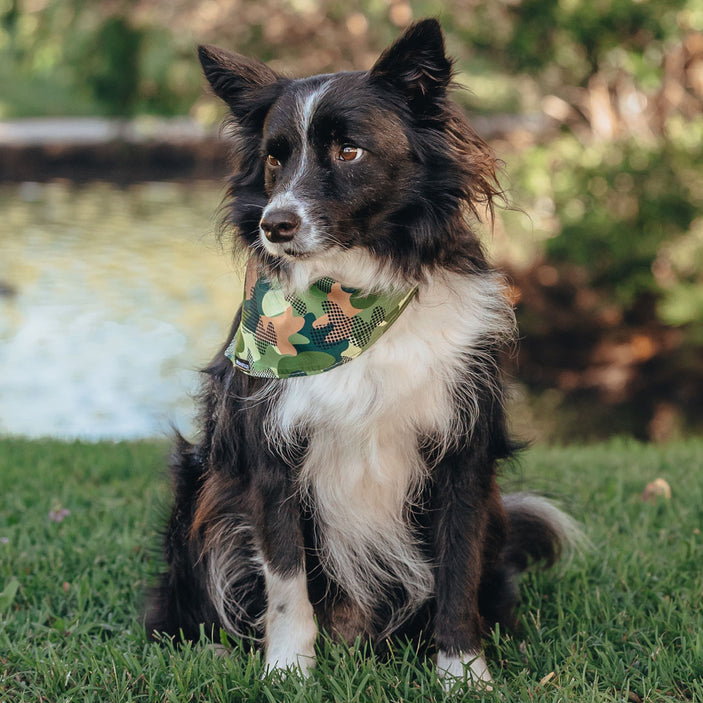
538, 533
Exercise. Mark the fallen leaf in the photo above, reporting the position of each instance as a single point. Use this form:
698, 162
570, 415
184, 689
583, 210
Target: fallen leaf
656, 489
546, 679
59, 515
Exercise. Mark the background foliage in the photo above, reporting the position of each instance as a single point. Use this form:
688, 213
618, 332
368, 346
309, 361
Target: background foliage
596, 107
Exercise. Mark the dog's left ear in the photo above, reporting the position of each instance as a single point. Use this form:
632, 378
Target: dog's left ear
416, 65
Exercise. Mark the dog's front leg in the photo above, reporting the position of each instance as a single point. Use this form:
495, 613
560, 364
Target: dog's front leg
459, 525
290, 628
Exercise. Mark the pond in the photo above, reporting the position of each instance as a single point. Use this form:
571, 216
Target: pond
111, 299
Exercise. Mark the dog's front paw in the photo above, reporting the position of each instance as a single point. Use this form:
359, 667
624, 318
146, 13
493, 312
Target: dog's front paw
290, 640
469, 667
290, 623
283, 658
291, 643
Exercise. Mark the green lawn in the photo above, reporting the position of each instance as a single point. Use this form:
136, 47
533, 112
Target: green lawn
623, 622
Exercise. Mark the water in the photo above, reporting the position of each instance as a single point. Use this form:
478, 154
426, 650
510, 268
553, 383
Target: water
113, 298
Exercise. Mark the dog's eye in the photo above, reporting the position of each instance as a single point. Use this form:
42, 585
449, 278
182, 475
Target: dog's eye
350, 153
272, 161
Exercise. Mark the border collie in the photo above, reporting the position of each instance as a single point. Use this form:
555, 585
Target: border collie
344, 478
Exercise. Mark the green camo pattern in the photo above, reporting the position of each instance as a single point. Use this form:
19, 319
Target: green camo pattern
282, 336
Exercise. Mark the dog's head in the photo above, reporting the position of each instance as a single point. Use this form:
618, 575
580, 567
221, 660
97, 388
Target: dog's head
379, 161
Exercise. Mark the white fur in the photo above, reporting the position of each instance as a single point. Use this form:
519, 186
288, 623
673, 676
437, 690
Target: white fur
230, 572
367, 420
309, 238
354, 267
307, 104
471, 666
289, 625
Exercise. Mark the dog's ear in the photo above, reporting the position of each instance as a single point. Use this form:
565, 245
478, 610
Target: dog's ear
416, 64
237, 79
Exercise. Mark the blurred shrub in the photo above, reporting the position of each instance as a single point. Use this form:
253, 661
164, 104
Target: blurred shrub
624, 211
579, 36
79, 58
110, 63
611, 293
510, 54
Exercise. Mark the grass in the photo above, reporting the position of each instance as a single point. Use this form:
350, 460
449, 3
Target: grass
623, 622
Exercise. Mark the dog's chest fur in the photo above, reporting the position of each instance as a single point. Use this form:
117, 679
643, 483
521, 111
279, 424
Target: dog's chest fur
368, 422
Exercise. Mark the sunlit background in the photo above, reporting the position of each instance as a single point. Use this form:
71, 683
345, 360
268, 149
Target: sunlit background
114, 289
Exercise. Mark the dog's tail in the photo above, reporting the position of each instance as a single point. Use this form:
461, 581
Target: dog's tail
538, 533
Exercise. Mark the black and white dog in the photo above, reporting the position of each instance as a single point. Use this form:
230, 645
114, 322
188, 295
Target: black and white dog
363, 500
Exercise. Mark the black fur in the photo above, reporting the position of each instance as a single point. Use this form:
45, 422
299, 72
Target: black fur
406, 203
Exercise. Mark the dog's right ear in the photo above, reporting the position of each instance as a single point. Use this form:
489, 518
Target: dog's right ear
236, 79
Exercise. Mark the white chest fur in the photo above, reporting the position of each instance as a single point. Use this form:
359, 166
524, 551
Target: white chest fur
366, 422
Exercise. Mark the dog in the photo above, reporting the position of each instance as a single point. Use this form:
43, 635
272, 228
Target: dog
352, 424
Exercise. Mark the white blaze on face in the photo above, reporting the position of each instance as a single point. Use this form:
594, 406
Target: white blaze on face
290, 198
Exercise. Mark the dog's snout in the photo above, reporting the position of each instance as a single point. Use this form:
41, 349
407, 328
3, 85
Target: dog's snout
280, 225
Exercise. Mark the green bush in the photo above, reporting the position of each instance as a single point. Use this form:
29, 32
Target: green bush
625, 212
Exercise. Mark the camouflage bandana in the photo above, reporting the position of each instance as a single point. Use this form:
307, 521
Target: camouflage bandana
281, 336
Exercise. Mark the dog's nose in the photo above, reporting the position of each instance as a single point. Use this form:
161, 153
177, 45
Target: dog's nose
280, 225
